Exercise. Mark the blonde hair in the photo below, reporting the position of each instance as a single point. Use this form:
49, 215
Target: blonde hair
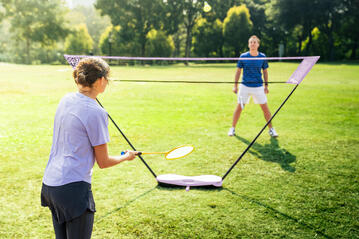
255, 37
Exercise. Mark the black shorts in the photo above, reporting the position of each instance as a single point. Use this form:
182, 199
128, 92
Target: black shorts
68, 201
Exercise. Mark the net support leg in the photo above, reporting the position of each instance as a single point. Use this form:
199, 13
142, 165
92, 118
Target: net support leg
128, 141
260, 132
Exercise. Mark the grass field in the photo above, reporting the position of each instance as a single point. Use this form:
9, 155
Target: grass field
305, 184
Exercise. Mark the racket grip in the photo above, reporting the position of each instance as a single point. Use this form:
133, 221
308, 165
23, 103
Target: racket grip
138, 153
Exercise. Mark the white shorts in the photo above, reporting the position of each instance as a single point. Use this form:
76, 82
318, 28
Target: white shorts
245, 93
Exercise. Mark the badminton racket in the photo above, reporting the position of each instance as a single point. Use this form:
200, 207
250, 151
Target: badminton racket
175, 153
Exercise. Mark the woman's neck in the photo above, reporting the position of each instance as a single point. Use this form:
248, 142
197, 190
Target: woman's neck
89, 92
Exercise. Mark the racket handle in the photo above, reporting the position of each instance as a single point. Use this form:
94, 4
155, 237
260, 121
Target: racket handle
138, 153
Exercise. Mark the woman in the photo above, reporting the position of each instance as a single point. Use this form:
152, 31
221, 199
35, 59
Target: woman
80, 138
252, 84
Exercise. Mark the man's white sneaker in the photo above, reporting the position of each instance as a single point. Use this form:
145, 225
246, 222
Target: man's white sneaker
273, 133
231, 132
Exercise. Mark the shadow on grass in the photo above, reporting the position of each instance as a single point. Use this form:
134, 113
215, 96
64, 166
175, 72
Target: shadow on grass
275, 211
126, 204
272, 153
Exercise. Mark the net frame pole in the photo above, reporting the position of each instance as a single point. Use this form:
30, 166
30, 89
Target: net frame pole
128, 141
260, 132
187, 59
195, 82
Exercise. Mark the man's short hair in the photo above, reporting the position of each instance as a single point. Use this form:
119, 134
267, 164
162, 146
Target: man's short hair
255, 37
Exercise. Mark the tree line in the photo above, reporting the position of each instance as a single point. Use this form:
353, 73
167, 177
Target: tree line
41, 31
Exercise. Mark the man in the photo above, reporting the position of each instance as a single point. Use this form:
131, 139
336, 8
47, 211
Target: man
252, 84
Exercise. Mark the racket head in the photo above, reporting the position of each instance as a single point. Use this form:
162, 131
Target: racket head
179, 152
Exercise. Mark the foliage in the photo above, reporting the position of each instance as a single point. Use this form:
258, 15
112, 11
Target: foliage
349, 30
114, 42
2, 11
79, 42
207, 38
34, 31
330, 22
191, 10
257, 15
237, 28
95, 23
36, 21
220, 8
173, 13
318, 45
158, 44
135, 16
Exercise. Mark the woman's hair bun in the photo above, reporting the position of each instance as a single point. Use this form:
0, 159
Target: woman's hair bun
90, 70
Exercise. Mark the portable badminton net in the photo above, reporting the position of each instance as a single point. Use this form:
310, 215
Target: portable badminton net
307, 62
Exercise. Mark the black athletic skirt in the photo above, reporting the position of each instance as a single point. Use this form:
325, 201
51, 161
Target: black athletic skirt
68, 201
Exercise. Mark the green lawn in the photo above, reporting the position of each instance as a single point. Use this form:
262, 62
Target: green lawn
305, 184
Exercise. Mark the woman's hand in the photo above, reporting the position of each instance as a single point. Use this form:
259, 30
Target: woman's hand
106, 161
130, 155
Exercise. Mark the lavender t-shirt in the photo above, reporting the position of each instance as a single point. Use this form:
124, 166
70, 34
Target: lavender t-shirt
80, 124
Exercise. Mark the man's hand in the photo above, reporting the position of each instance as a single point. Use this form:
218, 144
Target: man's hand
235, 89
266, 91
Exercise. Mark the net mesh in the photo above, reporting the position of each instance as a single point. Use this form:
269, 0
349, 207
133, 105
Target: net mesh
250, 66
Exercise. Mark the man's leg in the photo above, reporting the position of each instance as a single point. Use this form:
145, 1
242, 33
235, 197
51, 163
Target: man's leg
236, 115
243, 97
267, 114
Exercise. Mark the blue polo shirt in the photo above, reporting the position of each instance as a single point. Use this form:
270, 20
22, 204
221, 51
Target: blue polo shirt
252, 69
80, 124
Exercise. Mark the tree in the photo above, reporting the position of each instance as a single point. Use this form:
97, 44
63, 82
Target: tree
172, 22
136, 16
2, 10
349, 30
79, 42
319, 43
257, 15
237, 28
36, 21
95, 23
158, 44
207, 38
112, 42
172, 16
220, 8
298, 17
331, 20
182, 11
191, 10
